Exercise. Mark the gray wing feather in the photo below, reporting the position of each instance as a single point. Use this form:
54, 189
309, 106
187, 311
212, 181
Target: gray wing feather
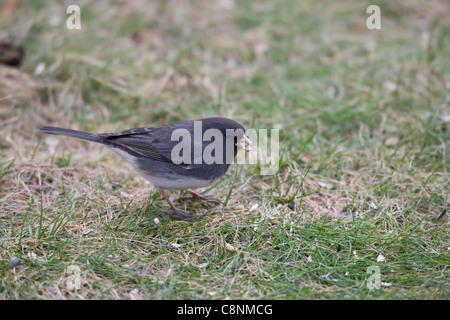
144, 146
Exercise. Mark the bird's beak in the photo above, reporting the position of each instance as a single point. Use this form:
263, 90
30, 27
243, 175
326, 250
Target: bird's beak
244, 143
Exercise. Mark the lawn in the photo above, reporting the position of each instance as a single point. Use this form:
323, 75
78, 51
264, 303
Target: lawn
357, 209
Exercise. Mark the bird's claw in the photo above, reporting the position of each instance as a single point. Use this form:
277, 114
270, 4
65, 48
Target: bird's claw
197, 196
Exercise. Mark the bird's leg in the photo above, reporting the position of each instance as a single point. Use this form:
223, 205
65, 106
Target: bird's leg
197, 196
175, 212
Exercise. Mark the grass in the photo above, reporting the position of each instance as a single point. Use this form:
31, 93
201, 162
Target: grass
364, 159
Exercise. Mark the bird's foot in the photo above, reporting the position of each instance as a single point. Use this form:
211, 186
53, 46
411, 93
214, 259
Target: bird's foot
197, 196
177, 213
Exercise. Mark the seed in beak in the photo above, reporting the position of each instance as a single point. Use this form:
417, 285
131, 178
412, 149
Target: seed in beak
244, 143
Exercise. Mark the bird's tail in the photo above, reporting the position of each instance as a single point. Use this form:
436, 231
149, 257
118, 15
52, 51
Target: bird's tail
74, 133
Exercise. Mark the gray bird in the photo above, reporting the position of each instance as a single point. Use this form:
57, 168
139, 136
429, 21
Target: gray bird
177, 156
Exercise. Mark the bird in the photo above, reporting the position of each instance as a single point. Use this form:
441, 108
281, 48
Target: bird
177, 156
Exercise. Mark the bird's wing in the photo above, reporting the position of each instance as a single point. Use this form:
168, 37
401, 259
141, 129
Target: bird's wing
143, 146
141, 141
150, 142
154, 142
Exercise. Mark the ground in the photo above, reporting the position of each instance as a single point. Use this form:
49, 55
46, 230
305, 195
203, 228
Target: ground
363, 174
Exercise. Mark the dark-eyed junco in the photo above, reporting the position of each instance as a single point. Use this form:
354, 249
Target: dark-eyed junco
181, 155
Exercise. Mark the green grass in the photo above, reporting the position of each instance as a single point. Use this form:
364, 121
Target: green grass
364, 151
